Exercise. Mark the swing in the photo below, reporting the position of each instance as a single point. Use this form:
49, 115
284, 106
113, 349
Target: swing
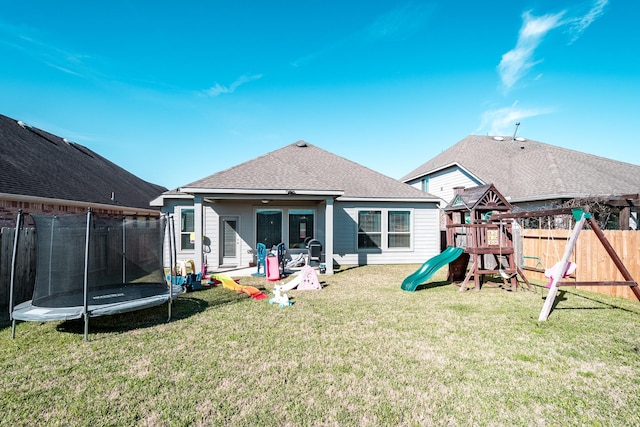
503, 273
555, 270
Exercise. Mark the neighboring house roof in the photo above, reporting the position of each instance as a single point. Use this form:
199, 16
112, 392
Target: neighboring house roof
306, 169
524, 169
36, 163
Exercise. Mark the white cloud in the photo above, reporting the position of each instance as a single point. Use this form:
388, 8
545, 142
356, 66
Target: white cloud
501, 121
518, 61
580, 24
218, 89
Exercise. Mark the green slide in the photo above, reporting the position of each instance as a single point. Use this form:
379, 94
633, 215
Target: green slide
411, 282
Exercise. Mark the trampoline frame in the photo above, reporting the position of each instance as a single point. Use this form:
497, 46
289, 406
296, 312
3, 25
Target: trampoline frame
108, 300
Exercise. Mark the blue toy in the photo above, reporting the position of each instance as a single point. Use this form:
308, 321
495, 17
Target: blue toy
261, 250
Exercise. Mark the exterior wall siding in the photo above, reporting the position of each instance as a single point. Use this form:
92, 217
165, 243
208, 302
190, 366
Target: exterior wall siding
424, 235
441, 183
245, 212
425, 241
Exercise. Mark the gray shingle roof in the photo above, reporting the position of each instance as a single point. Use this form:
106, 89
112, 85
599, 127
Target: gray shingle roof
39, 164
481, 196
303, 166
530, 170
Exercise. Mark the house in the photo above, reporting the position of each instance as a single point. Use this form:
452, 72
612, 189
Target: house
531, 175
299, 192
42, 172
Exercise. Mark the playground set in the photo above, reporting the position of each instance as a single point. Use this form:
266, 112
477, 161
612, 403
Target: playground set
479, 228
472, 235
488, 242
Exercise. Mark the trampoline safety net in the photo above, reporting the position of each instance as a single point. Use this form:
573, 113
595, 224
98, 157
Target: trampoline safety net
124, 257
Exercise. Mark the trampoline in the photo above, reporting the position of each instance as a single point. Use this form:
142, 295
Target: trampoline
91, 265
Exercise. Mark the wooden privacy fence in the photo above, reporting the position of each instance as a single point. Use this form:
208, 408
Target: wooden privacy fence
25, 266
541, 249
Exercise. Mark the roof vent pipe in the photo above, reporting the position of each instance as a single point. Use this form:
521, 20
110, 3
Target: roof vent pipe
515, 131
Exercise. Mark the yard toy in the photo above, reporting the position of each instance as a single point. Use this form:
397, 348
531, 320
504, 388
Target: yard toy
279, 298
555, 271
229, 283
261, 254
306, 280
309, 280
298, 261
275, 263
273, 269
187, 267
411, 282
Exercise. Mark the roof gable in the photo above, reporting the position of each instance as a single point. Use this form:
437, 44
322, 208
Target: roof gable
527, 169
304, 167
39, 164
482, 197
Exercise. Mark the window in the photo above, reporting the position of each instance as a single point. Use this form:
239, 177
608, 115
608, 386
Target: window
300, 227
384, 229
369, 229
187, 229
399, 235
269, 227
425, 184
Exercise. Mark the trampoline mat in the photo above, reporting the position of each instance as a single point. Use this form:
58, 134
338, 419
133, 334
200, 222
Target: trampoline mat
105, 301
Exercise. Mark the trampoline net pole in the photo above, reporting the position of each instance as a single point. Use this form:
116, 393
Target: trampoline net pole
13, 272
13, 261
51, 252
86, 276
171, 247
124, 250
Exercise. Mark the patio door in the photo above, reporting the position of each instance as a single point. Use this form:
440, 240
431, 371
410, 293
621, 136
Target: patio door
229, 241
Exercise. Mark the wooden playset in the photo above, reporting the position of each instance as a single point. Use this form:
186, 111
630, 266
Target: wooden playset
488, 243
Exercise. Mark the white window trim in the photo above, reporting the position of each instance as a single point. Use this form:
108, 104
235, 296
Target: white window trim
384, 243
180, 232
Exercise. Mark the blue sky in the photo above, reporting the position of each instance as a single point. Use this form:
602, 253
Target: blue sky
176, 91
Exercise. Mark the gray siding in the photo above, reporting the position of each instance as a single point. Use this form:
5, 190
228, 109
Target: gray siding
425, 240
441, 183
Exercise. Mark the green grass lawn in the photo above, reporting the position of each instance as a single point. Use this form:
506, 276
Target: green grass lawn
360, 352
